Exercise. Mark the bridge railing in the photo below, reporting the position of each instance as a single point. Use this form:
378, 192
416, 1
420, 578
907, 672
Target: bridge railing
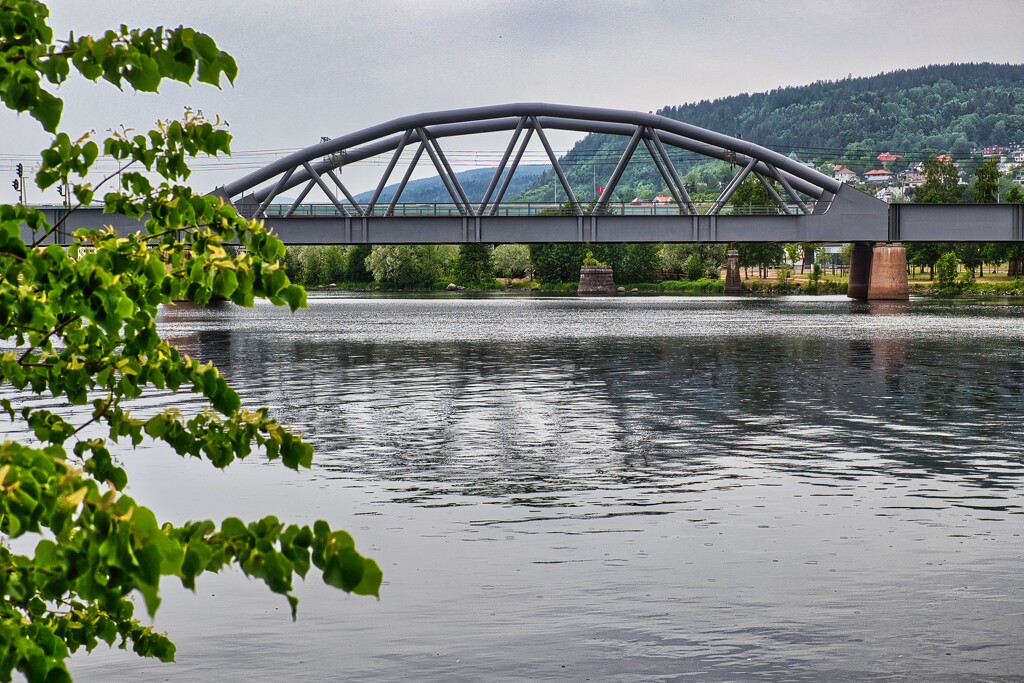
519, 209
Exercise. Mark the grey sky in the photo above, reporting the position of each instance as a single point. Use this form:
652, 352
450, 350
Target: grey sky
319, 67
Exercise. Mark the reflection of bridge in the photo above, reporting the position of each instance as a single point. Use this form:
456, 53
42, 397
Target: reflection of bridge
808, 206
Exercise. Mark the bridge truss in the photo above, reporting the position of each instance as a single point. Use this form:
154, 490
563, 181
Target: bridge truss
810, 207
320, 165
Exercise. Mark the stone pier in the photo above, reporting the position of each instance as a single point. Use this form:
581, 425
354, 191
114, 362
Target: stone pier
860, 271
878, 272
887, 280
732, 274
596, 281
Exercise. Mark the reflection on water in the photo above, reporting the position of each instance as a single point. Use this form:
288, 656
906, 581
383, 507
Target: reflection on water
798, 489
486, 406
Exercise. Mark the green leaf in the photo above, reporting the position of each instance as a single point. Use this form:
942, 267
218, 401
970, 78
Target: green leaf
371, 581
151, 597
232, 526
47, 111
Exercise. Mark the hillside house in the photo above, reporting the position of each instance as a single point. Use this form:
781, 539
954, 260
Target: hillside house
878, 176
845, 175
912, 176
891, 194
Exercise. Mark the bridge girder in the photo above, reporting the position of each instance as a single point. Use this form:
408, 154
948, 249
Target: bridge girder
314, 166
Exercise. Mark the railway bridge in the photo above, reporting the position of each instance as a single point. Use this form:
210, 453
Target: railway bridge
808, 206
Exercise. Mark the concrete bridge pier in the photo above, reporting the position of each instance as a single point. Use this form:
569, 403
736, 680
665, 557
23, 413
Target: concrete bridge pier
733, 285
888, 278
860, 271
878, 272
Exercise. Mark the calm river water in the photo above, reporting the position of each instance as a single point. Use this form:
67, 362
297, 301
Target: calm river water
626, 489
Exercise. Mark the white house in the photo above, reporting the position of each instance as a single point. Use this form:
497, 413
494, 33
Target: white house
845, 175
889, 194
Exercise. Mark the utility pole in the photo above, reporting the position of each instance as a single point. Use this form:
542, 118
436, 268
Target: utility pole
64, 190
19, 182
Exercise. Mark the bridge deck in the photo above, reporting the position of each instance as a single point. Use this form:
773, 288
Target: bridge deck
851, 217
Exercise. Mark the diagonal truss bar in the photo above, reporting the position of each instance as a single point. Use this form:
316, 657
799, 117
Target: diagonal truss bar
425, 139
731, 187
511, 172
323, 186
344, 191
664, 173
298, 200
405, 179
273, 193
387, 172
776, 197
620, 167
501, 166
789, 188
554, 164
690, 207
451, 174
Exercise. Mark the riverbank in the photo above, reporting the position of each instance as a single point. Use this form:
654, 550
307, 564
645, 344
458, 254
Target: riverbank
995, 285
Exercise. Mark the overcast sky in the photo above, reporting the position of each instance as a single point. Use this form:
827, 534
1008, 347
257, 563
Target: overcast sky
320, 67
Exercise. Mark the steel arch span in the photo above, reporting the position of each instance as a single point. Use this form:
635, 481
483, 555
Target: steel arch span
809, 207
318, 165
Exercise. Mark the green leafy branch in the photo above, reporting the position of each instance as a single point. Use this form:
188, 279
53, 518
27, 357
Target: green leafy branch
78, 322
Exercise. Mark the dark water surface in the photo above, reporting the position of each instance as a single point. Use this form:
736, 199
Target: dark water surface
641, 489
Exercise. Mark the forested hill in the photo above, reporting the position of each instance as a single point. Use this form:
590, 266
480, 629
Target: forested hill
950, 108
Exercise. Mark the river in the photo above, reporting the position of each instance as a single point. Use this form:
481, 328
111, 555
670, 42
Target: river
627, 489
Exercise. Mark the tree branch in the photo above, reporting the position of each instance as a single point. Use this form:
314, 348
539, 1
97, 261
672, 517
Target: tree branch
77, 206
48, 335
100, 412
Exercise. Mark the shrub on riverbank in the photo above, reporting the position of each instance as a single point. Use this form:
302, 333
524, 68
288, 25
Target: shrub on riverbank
1006, 288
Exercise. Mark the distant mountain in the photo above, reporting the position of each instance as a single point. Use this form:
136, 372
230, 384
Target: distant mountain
952, 109
474, 182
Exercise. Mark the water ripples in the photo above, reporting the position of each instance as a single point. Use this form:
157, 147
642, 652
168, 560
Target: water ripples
657, 488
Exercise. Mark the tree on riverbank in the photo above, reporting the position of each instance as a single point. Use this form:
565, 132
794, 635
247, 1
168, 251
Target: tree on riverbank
941, 183
474, 265
512, 260
985, 189
79, 325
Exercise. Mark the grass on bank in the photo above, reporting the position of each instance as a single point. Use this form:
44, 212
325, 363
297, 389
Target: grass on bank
992, 284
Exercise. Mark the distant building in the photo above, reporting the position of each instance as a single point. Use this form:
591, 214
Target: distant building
808, 164
664, 200
890, 194
879, 176
912, 176
845, 175
886, 157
